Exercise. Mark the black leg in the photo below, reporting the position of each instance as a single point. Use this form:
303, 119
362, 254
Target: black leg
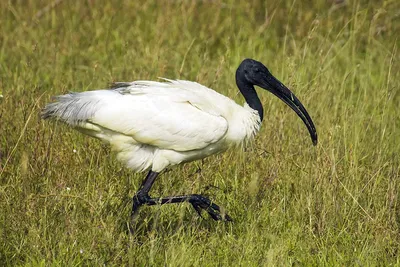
198, 202
142, 195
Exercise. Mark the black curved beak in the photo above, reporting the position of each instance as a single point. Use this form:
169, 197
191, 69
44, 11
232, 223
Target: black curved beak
273, 85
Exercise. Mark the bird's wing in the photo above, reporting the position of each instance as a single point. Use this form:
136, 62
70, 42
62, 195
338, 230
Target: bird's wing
151, 113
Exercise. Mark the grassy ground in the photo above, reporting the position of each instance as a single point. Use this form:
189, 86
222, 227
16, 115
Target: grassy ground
65, 200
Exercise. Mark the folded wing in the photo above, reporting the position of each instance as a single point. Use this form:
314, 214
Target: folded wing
157, 114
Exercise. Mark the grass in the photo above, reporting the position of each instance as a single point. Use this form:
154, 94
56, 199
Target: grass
65, 200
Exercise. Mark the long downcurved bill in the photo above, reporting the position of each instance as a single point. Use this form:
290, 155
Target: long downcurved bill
281, 91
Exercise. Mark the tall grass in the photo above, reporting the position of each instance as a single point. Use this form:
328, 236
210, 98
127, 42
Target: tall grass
65, 200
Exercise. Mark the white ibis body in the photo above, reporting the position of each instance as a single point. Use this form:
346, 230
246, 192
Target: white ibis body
153, 125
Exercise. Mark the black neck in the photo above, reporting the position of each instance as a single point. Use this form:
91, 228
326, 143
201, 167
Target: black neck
251, 97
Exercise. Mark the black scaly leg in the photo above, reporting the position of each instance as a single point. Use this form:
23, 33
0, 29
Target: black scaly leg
142, 196
198, 202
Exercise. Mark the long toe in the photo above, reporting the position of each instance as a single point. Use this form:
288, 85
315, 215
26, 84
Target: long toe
203, 203
215, 213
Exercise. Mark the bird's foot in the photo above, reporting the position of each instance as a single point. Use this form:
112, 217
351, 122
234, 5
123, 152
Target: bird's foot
200, 202
138, 200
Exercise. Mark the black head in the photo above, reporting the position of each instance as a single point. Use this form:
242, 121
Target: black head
251, 72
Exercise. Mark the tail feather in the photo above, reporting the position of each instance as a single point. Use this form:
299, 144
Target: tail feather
72, 108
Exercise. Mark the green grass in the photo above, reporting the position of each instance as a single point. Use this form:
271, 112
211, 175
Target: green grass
65, 200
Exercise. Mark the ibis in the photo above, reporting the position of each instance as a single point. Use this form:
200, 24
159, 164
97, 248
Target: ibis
153, 125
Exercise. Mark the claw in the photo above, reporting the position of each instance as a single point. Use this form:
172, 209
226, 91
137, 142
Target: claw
214, 215
199, 202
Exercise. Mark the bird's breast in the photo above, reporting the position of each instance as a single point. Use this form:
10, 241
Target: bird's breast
244, 123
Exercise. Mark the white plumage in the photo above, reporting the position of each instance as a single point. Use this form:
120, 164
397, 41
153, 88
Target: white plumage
153, 125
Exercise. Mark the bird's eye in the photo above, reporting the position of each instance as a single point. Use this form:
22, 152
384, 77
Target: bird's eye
246, 72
